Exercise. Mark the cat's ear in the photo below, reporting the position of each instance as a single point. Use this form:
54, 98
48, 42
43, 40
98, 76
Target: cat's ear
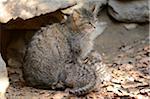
76, 14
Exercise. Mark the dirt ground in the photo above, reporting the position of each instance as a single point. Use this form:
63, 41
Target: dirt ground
125, 49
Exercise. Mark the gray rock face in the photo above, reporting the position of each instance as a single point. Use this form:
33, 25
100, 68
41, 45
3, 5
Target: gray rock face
94, 6
129, 10
4, 83
25, 9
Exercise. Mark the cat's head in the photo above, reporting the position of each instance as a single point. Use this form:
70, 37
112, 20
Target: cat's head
85, 22
82, 19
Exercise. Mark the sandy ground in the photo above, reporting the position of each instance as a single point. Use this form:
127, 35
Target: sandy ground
130, 80
125, 50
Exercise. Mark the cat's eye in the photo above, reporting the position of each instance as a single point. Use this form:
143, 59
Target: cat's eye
92, 24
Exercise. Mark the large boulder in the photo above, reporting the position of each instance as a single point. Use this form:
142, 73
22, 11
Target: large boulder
25, 9
19, 18
4, 82
129, 10
94, 6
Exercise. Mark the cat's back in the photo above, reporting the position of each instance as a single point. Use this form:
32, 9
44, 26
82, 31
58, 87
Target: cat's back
50, 42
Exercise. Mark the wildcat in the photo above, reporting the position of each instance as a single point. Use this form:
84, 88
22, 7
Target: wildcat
52, 59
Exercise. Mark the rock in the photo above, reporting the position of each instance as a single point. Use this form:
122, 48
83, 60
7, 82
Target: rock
133, 85
25, 9
134, 91
117, 90
141, 97
145, 60
130, 26
4, 83
110, 88
146, 90
115, 80
147, 48
94, 6
60, 96
129, 10
126, 67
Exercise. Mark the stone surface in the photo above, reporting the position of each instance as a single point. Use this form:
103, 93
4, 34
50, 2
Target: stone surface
94, 6
130, 26
25, 9
129, 10
4, 83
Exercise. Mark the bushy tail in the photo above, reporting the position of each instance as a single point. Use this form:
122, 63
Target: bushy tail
89, 87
